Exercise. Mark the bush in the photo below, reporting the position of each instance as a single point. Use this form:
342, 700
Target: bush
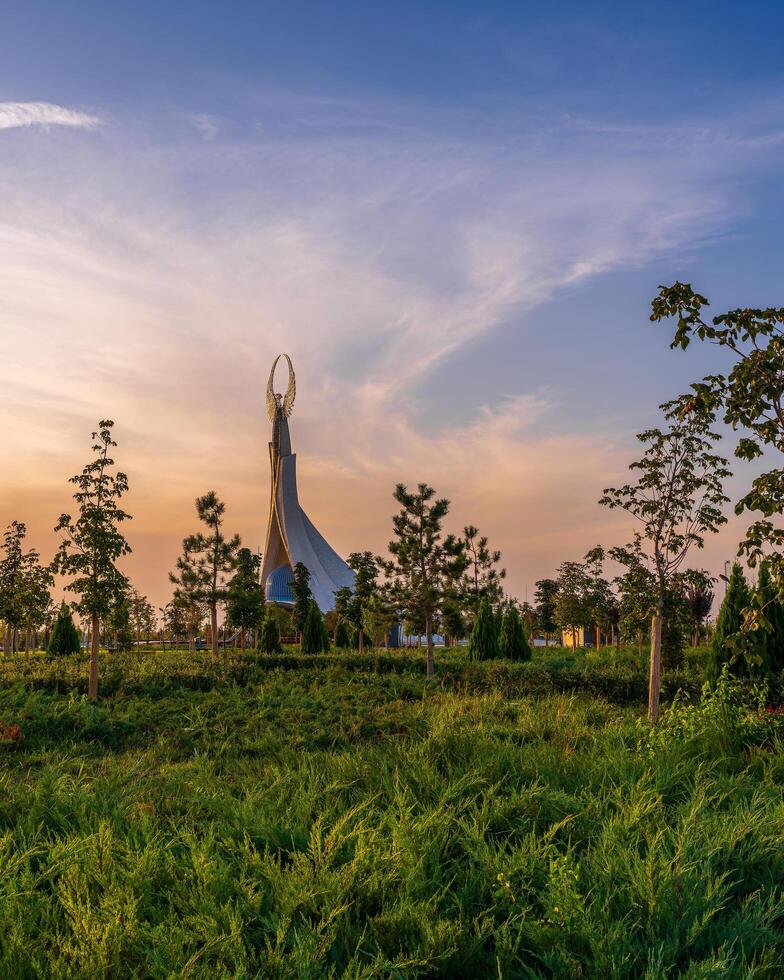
343, 635
513, 642
269, 636
483, 644
314, 632
65, 639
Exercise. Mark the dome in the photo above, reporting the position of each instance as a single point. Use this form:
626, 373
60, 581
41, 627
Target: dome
278, 585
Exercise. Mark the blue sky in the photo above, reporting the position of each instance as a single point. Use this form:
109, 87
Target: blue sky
453, 216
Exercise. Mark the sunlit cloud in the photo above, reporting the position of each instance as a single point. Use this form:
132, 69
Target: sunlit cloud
16, 114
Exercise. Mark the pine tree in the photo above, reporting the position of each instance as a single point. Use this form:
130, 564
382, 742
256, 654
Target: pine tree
65, 638
269, 638
728, 623
483, 644
245, 600
303, 597
513, 642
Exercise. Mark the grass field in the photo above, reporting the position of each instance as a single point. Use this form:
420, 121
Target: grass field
310, 817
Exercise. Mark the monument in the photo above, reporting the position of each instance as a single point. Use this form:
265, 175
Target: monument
291, 535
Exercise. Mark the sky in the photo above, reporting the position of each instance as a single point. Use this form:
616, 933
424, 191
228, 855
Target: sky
452, 216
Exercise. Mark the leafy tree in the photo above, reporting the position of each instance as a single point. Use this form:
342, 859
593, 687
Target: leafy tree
186, 615
269, 636
303, 597
483, 579
513, 642
750, 396
314, 633
92, 544
599, 596
366, 567
677, 498
65, 638
378, 619
728, 625
452, 621
206, 560
142, 616
24, 586
420, 560
675, 626
245, 600
118, 624
483, 644
572, 604
637, 591
545, 595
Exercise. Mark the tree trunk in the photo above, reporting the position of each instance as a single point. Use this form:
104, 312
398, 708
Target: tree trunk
654, 680
92, 686
214, 628
429, 641
639, 643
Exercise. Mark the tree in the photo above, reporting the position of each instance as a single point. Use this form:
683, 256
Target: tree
677, 499
269, 636
303, 597
513, 642
750, 396
314, 633
420, 561
483, 579
92, 544
366, 567
452, 621
483, 644
728, 625
572, 609
65, 638
343, 635
637, 592
245, 600
118, 623
545, 595
142, 616
24, 587
206, 561
599, 597
377, 620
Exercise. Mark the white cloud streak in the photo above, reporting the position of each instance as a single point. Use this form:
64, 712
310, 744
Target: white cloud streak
20, 114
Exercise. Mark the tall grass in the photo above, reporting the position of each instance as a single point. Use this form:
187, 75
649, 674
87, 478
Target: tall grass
305, 818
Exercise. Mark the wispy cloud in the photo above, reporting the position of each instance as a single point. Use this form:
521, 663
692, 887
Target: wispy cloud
17, 114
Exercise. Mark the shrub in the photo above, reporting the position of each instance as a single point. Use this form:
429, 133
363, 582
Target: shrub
513, 643
728, 624
483, 644
314, 632
343, 635
269, 635
65, 638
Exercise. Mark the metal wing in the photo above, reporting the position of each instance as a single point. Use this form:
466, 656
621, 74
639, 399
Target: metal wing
271, 405
291, 391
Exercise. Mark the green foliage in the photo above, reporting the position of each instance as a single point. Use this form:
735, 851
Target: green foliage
377, 620
724, 649
298, 817
65, 639
344, 635
303, 597
118, 624
314, 631
545, 596
269, 635
675, 626
483, 644
245, 599
91, 545
513, 643
572, 601
770, 613
482, 580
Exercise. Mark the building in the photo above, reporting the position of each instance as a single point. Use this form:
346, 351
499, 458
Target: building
291, 535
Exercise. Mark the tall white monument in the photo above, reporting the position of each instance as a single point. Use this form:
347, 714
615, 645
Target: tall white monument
291, 535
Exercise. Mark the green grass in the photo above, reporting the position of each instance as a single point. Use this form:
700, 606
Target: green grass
309, 817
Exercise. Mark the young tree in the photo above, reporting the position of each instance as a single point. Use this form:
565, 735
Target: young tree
599, 597
545, 595
483, 643
65, 638
343, 635
572, 608
513, 642
420, 561
118, 624
245, 601
483, 579
92, 544
142, 616
677, 499
773, 637
24, 587
366, 567
698, 593
303, 597
377, 620
206, 561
